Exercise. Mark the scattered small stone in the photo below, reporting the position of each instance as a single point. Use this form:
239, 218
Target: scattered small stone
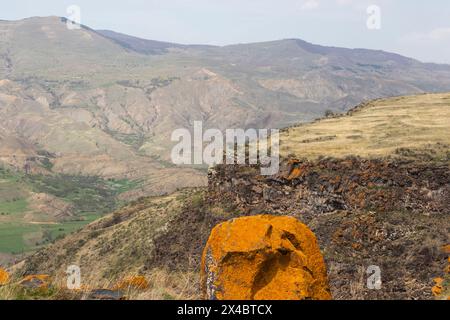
106, 294
39, 281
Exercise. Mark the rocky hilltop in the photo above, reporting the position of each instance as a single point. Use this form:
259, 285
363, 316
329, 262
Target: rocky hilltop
325, 186
389, 209
364, 212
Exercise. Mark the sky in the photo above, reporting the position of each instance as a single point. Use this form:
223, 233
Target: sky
414, 28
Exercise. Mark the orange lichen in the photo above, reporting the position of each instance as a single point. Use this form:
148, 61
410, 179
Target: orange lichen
441, 288
295, 173
437, 289
41, 281
295, 169
447, 268
132, 282
263, 257
4, 277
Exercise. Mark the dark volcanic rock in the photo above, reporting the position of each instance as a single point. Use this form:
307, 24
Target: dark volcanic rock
105, 294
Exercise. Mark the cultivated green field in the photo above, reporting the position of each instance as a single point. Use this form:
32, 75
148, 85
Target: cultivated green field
25, 227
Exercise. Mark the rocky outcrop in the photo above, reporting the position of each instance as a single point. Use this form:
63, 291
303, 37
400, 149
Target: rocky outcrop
336, 184
384, 212
263, 258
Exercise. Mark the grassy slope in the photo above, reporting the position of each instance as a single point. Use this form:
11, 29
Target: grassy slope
381, 128
121, 244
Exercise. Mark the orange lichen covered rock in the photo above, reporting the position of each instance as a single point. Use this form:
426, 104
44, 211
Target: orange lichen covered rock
4, 277
263, 258
437, 289
295, 170
295, 173
132, 282
441, 289
447, 268
38, 281
446, 249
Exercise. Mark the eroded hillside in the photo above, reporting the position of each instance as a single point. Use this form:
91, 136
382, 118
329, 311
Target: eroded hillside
106, 104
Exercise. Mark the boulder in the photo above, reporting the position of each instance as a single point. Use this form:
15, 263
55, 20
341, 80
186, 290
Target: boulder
263, 258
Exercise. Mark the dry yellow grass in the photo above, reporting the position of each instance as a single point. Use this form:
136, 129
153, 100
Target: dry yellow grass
165, 285
376, 130
161, 284
132, 230
8, 292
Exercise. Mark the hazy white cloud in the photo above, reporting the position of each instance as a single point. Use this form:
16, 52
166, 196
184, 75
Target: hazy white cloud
438, 34
344, 2
310, 5
434, 44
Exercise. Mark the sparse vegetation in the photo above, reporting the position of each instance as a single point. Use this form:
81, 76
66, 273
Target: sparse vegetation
387, 127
